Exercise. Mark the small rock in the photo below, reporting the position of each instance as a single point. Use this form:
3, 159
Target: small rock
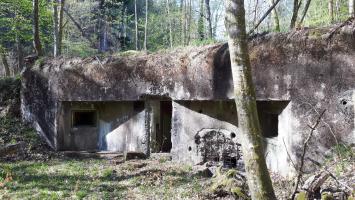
301, 195
131, 155
339, 196
202, 170
327, 196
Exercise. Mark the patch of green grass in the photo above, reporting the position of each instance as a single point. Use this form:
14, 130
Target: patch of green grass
96, 179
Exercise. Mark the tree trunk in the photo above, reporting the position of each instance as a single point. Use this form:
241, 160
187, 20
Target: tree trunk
351, 8
255, 12
103, 46
5, 63
36, 38
275, 17
188, 23
208, 18
55, 28
20, 59
331, 10
337, 8
264, 17
183, 21
201, 22
83, 32
146, 25
60, 27
304, 12
169, 22
136, 22
294, 14
259, 182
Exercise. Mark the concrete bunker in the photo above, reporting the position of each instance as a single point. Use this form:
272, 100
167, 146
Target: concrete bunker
133, 97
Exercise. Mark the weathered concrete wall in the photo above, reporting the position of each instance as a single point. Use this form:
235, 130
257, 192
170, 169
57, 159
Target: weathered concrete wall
119, 127
39, 104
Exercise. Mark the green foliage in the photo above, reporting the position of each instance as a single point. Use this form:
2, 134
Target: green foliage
342, 156
318, 14
16, 23
301, 196
203, 42
96, 179
81, 49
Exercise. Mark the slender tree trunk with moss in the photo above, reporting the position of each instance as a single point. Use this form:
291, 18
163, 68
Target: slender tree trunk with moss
36, 38
259, 181
208, 18
169, 23
146, 25
305, 10
188, 23
275, 18
55, 28
331, 10
136, 23
294, 14
201, 22
61, 26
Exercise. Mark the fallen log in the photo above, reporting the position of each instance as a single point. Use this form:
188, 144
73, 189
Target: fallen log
12, 149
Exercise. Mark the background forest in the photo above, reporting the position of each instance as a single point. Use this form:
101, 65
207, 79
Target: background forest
87, 27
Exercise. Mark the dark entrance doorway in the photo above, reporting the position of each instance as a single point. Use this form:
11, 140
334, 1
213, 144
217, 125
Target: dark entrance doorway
164, 138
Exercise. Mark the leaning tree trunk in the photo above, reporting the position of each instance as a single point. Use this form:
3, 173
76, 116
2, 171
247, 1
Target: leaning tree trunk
36, 38
260, 185
294, 14
208, 18
305, 10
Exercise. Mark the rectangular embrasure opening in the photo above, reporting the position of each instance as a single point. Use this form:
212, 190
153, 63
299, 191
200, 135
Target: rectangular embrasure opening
84, 118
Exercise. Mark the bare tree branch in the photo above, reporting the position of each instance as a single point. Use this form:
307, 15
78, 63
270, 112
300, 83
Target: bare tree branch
264, 16
83, 33
305, 146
